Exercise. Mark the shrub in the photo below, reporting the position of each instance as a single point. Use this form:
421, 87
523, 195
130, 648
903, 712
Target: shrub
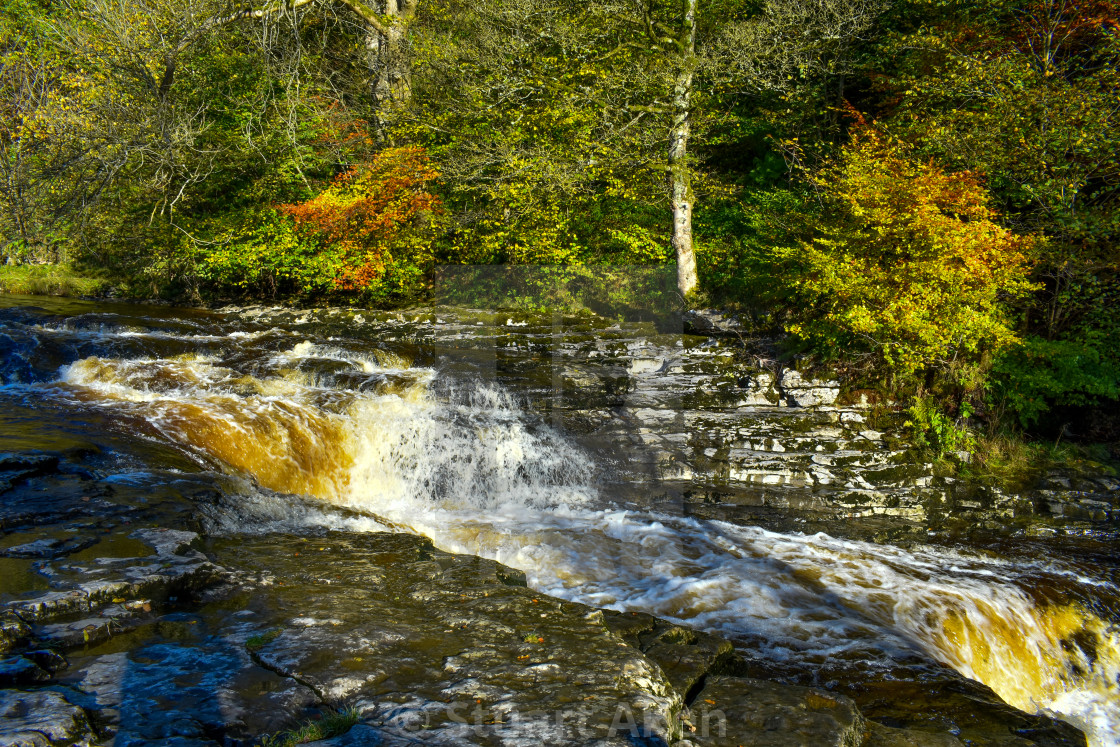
908, 265
1038, 374
368, 224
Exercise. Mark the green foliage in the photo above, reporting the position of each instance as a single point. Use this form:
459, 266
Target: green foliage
52, 280
529, 108
266, 258
1033, 377
613, 291
1011, 461
935, 430
742, 244
1029, 95
907, 266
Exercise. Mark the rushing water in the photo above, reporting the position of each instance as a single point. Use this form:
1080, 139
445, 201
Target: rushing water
358, 415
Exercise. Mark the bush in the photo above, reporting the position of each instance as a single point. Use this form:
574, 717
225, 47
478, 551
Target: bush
1037, 375
368, 226
908, 266
267, 258
933, 429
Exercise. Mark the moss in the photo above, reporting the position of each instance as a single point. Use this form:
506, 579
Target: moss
260, 640
51, 280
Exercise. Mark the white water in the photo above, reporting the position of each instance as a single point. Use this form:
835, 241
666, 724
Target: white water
466, 469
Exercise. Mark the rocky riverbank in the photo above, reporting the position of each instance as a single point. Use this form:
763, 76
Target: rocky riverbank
120, 629
156, 591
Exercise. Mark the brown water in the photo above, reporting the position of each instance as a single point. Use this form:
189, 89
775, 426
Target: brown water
406, 421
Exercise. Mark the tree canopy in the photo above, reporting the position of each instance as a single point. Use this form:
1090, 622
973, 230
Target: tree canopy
924, 189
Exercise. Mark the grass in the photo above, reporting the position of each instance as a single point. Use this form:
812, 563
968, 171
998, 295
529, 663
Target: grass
51, 280
330, 725
1015, 463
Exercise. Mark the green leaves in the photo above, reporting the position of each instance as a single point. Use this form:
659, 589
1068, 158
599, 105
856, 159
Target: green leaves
1038, 374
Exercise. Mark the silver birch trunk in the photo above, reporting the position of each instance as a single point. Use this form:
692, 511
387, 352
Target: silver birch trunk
680, 175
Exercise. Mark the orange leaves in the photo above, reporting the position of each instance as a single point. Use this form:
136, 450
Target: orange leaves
365, 210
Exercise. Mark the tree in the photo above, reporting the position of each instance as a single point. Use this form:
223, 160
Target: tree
908, 266
788, 42
527, 108
1029, 95
615, 87
28, 83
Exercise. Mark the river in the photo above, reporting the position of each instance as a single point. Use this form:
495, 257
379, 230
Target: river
451, 424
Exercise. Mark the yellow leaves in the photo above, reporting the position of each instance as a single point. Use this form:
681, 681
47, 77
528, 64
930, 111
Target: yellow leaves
911, 261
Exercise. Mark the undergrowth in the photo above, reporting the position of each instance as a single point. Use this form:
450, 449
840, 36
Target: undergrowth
51, 280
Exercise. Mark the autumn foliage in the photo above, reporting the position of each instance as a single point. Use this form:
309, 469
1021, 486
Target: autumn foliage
909, 265
363, 218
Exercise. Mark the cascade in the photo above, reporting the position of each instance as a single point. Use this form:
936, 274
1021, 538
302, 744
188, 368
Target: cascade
459, 461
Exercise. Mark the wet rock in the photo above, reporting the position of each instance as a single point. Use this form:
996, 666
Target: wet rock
49, 547
13, 631
362, 735
17, 671
185, 684
451, 648
942, 701
742, 712
27, 465
17, 468
685, 656
41, 719
170, 568
884, 736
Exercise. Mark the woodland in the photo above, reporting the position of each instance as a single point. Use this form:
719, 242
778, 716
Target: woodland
920, 193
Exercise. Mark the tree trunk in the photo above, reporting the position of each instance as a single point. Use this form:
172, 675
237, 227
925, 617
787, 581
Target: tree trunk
680, 175
391, 76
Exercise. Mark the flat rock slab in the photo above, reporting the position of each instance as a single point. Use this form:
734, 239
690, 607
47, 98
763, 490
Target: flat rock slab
41, 719
163, 566
184, 685
742, 712
443, 648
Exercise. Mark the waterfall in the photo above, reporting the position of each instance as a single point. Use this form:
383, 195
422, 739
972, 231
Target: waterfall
459, 462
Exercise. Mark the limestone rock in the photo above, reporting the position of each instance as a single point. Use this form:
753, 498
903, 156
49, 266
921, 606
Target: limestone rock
451, 648
17, 671
884, 736
80, 587
13, 631
189, 686
711, 322
742, 712
800, 392
41, 719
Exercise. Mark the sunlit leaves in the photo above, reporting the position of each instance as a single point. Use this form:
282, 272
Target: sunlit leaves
909, 264
363, 218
